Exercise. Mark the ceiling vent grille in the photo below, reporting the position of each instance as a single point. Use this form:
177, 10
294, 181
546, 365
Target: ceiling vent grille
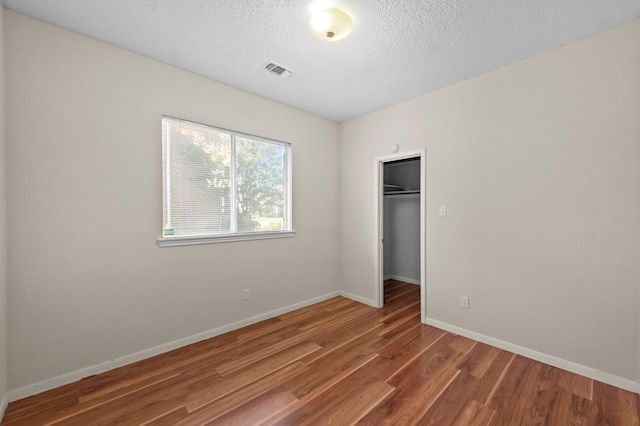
277, 70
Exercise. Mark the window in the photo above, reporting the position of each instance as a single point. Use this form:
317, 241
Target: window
220, 185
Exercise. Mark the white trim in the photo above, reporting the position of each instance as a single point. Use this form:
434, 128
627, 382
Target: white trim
403, 279
378, 192
563, 364
74, 376
378, 221
4, 404
358, 298
211, 239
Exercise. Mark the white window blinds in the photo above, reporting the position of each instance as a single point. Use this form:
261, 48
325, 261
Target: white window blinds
219, 182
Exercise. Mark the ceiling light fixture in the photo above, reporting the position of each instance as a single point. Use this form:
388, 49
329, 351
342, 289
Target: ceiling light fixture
331, 24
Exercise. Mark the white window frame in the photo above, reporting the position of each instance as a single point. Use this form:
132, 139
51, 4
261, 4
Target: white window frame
169, 241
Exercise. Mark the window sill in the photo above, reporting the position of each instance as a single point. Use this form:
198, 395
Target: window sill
212, 239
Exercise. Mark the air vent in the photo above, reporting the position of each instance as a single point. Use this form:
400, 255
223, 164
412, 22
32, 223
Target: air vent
277, 70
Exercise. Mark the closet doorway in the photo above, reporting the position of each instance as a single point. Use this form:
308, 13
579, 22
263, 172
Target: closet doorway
401, 222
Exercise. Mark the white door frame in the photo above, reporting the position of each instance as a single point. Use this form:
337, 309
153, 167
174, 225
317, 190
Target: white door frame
379, 224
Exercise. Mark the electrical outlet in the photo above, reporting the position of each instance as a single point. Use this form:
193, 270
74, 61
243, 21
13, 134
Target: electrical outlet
246, 295
464, 302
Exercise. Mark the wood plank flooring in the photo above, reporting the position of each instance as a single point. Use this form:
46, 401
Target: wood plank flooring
336, 362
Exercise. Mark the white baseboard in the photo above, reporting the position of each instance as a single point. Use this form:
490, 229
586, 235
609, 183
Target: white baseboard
74, 376
3, 405
403, 279
357, 298
573, 367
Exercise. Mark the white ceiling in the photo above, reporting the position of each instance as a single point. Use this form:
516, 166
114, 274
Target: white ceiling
399, 48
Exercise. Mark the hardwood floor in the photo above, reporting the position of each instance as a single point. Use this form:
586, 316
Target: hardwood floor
336, 362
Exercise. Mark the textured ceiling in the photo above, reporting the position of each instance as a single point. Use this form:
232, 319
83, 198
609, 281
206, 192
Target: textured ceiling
398, 49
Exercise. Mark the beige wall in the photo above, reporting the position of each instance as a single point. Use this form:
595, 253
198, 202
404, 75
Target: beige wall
538, 164
87, 281
3, 229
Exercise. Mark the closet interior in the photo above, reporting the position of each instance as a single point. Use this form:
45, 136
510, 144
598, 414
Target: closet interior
401, 213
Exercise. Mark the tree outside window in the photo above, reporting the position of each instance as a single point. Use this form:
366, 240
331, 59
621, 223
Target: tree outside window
218, 182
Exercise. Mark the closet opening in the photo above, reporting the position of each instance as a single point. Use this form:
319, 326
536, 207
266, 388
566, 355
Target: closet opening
401, 227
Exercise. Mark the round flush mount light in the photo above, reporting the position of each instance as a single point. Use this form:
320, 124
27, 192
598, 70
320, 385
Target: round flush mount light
331, 24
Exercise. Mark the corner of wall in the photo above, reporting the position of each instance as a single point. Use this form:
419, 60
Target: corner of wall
3, 241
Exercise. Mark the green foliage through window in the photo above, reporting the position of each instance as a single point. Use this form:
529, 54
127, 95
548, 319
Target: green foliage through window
218, 182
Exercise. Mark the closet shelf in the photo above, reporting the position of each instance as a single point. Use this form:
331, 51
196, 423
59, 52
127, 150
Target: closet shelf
402, 192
